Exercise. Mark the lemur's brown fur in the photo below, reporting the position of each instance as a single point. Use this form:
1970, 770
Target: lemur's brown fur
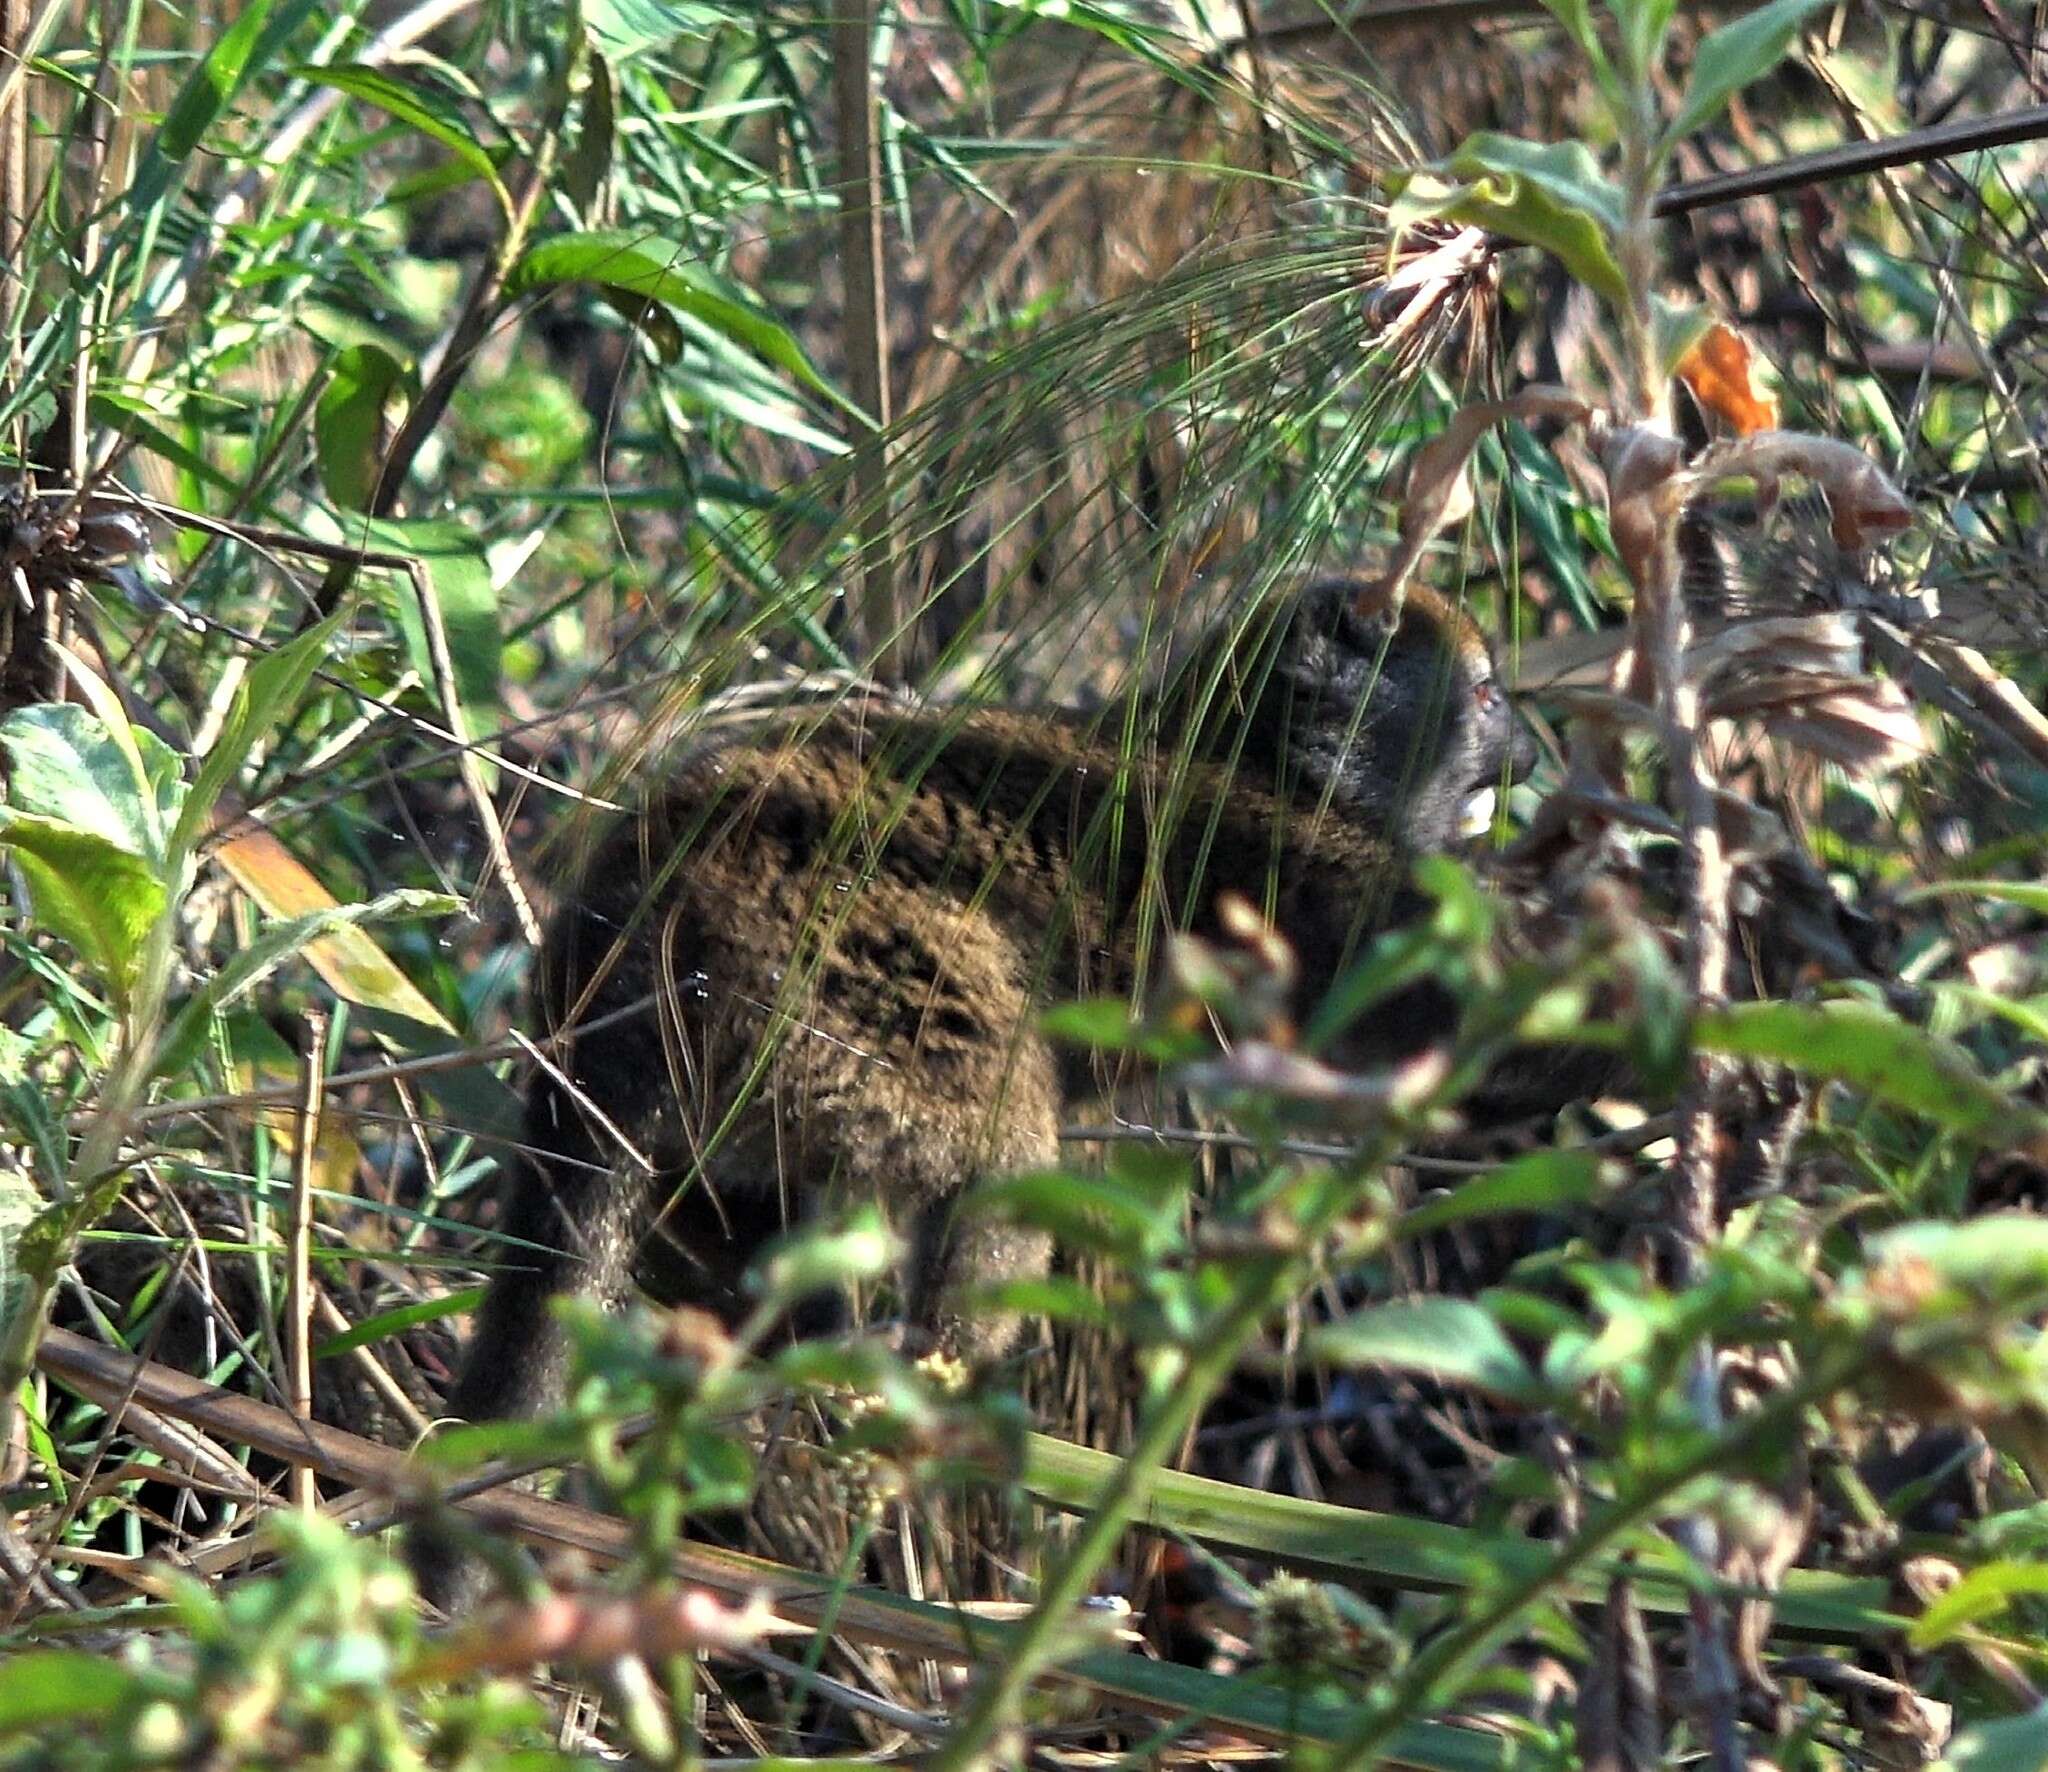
810, 968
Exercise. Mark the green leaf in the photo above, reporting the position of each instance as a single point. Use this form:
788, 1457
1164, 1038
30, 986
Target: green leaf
70, 767
1102, 1023
208, 90
1677, 327
1538, 1182
1643, 24
1448, 1338
2029, 895
269, 691
1872, 1049
459, 580
1551, 196
395, 1322
1728, 59
425, 110
1980, 1594
660, 270
276, 943
2013, 1744
348, 423
585, 165
60, 1686
1394, 1550
2000, 1259
628, 27
97, 895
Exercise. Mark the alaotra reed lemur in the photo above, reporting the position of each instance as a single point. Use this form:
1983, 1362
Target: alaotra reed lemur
810, 968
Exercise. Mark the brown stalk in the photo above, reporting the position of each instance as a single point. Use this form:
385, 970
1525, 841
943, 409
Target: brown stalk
298, 1308
866, 326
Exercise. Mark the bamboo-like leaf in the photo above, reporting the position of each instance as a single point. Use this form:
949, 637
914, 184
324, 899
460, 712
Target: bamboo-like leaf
419, 107
654, 269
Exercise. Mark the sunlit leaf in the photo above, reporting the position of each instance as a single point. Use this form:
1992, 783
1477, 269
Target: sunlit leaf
354, 967
273, 945
1728, 59
1553, 196
1538, 1182
1872, 1049
655, 269
97, 895
420, 107
348, 423
1452, 1339
60, 1686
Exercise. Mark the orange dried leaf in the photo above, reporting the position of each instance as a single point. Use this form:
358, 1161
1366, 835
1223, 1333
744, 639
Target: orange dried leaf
1722, 372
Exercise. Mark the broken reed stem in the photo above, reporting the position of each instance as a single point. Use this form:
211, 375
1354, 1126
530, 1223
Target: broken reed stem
866, 327
298, 1310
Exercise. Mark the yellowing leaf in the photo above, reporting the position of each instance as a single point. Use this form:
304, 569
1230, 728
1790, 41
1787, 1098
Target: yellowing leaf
353, 965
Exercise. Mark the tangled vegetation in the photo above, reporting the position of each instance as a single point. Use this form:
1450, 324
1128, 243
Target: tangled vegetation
415, 420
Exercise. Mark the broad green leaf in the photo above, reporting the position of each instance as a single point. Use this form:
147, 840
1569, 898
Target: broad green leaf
458, 573
1728, 59
70, 767
661, 270
1979, 1595
97, 895
431, 113
1516, 210
1566, 171
268, 693
1872, 1049
1448, 1338
1643, 24
2013, 1744
621, 28
348, 423
1538, 1182
354, 967
275, 944
1097, 1022
60, 1686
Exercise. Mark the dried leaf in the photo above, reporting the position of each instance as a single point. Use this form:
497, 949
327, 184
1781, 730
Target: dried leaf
1863, 505
1721, 370
1436, 475
1646, 489
1868, 724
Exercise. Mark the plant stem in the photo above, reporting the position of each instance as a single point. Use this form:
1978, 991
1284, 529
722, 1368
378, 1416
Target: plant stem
1456, 1652
1264, 1284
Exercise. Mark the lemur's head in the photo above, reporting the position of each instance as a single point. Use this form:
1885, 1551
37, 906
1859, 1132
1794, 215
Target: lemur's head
1395, 710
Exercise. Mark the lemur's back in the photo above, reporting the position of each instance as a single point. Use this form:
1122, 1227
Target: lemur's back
811, 967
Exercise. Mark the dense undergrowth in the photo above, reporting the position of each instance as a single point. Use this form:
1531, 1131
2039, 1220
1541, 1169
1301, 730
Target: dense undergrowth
414, 420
